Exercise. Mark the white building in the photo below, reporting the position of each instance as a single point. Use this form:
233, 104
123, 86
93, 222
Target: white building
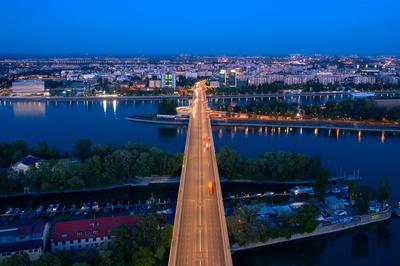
29, 239
168, 80
27, 87
88, 233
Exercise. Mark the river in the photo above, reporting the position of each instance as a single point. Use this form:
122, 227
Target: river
374, 155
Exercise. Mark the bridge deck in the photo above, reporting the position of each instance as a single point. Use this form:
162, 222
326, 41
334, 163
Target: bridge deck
200, 235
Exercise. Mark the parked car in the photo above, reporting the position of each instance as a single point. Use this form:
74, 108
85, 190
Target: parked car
340, 212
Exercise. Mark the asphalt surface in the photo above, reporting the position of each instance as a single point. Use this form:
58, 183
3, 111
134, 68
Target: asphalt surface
200, 235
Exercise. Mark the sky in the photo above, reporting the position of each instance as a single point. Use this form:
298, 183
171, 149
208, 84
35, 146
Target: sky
206, 27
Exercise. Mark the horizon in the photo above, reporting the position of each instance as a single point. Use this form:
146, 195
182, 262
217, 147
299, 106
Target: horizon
129, 55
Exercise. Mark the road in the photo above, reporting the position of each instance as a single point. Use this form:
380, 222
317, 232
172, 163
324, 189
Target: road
200, 234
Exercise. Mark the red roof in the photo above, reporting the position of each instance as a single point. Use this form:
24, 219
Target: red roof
89, 228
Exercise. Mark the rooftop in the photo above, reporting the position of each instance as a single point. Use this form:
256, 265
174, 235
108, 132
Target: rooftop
89, 228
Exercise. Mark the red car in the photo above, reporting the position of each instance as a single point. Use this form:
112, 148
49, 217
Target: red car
210, 187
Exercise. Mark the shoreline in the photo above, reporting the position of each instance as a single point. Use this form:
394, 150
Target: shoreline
147, 181
90, 98
136, 182
354, 126
392, 94
360, 221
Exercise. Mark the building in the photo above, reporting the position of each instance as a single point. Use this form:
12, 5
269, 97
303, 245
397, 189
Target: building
214, 84
27, 87
168, 80
24, 164
30, 239
297, 79
364, 80
228, 78
154, 84
334, 203
88, 233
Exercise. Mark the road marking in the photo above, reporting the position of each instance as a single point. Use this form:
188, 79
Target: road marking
200, 239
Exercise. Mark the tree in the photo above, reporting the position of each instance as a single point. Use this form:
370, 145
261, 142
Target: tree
82, 148
42, 150
16, 260
243, 225
144, 164
105, 254
167, 107
47, 259
81, 264
384, 191
121, 244
64, 257
229, 163
152, 240
119, 165
320, 187
304, 217
93, 169
143, 256
360, 196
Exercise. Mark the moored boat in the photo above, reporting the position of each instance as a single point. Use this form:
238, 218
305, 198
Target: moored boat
396, 211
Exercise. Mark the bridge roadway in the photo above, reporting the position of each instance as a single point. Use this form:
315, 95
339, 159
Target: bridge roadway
200, 234
378, 94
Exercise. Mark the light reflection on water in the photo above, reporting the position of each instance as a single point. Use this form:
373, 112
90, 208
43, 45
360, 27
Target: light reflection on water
21, 109
265, 130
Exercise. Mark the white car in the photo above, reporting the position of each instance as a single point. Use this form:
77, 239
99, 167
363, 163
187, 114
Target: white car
340, 212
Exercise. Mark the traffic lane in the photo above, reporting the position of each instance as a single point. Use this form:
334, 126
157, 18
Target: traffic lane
215, 242
187, 245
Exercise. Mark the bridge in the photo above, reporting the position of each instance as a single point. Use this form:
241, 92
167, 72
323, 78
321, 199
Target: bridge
200, 234
246, 97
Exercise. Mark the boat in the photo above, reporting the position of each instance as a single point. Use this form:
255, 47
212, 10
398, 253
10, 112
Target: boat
396, 211
49, 208
39, 210
269, 193
360, 95
95, 206
301, 190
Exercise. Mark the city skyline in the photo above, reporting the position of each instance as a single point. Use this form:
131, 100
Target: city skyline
227, 28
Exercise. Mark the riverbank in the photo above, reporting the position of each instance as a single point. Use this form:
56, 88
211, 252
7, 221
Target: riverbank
135, 182
247, 96
357, 221
147, 181
330, 125
154, 120
90, 98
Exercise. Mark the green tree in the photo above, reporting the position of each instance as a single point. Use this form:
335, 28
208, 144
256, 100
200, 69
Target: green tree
64, 257
321, 186
167, 107
16, 260
361, 197
243, 226
48, 259
384, 191
121, 244
93, 169
304, 217
119, 165
42, 150
144, 164
82, 148
230, 163
143, 256
81, 264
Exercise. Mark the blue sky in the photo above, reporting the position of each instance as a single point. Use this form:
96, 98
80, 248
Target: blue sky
366, 27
